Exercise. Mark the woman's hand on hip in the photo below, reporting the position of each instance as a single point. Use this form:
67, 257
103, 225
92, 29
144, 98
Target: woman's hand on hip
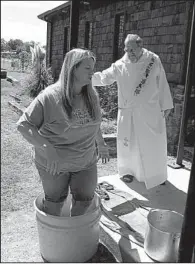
103, 153
52, 160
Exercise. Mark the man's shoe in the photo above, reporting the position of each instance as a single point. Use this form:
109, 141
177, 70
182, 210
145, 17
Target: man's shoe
128, 178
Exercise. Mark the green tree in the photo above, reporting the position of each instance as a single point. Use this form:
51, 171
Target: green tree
15, 43
29, 44
4, 45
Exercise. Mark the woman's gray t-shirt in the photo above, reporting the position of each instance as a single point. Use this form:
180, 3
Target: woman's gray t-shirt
73, 139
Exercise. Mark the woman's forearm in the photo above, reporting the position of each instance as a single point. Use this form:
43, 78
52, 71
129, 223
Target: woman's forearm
31, 134
99, 138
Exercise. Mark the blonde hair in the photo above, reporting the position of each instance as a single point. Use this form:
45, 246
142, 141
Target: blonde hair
72, 60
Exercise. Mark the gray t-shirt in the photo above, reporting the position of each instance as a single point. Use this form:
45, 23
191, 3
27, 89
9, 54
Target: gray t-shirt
73, 139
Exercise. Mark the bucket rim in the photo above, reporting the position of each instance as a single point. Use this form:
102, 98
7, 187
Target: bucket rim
163, 210
65, 217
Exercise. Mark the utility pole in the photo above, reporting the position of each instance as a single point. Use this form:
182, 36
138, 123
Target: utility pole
74, 23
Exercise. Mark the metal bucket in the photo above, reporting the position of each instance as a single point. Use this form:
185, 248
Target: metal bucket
163, 235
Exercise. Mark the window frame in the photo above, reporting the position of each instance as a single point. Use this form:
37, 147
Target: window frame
117, 33
88, 34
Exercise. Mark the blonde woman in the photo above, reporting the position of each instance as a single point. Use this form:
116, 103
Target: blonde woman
63, 124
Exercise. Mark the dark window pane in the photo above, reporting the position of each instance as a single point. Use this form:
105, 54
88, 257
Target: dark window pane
118, 36
65, 40
88, 35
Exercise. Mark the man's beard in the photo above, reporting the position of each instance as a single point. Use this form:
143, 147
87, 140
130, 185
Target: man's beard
135, 58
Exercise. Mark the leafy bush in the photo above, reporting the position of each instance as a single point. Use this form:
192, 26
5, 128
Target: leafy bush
108, 126
108, 101
35, 82
40, 76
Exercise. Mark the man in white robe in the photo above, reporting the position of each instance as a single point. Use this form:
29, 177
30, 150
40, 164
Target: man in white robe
144, 101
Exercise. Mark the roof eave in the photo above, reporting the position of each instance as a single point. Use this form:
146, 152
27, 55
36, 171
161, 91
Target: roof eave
44, 16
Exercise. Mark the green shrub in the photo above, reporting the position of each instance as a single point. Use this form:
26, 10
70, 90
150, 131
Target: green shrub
40, 76
108, 101
37, 81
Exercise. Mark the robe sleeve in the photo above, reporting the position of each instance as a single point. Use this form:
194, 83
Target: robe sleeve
106, 77
166, 101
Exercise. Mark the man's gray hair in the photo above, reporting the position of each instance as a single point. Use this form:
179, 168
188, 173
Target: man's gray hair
135, 38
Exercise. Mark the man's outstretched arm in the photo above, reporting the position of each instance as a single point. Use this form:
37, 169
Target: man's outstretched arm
106, 77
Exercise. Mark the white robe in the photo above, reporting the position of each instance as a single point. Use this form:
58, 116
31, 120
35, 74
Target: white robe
141, 127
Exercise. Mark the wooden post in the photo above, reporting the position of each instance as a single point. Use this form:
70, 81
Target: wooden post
187, 240
188, 84
74, 23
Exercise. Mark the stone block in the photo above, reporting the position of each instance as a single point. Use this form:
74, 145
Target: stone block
164, 40
169, 10
174, 58
104, 36
146, 6
148, 32
177, 29
161, 30
180, 7
179, 48
156, 13
143, 15
176, 68
167, 20
130, 3
107, 43
178, 19
180, 38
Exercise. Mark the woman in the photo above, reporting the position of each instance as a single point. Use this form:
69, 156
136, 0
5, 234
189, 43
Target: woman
63, 124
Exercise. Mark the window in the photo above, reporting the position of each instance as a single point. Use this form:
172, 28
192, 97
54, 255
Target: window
66, 44
118, 36
88, 35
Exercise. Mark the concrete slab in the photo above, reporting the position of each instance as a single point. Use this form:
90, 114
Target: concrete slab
171, 196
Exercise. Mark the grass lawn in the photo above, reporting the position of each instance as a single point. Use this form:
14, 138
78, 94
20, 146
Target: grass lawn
20, 185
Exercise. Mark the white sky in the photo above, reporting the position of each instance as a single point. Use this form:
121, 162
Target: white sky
19, 20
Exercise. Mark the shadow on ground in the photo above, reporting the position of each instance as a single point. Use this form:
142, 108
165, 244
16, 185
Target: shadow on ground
166, 197
103, 255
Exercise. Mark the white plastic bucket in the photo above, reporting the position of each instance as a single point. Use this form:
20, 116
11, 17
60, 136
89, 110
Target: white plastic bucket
65, 238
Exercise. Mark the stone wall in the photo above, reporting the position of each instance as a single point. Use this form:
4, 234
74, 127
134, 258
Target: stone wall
161, 24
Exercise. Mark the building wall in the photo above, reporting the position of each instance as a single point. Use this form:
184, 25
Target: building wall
161, 24
164, 27
56, 49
